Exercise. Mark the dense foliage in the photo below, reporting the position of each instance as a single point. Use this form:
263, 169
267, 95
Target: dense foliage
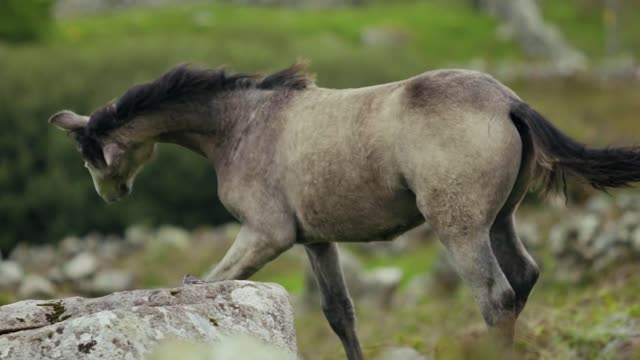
24, 20
46, 191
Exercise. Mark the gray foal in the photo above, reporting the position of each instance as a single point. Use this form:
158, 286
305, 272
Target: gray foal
300, 164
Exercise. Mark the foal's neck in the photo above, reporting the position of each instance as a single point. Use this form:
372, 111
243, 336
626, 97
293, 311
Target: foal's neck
206, 126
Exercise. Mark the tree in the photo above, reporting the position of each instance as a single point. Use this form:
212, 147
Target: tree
537, 38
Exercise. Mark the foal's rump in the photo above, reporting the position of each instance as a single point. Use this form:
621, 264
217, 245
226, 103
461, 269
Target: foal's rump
458, 148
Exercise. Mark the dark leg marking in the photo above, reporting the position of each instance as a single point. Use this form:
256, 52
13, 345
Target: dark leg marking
336, 302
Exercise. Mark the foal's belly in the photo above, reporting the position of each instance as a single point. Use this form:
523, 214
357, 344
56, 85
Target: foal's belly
356, 216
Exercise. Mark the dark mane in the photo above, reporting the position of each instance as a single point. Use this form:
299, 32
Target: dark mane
180, 84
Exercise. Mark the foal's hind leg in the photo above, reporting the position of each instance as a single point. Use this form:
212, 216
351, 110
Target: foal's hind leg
516, 263
336, 303
473, 258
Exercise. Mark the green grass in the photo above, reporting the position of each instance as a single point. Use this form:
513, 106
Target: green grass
584, 25
426, 24
440, 32
412, 264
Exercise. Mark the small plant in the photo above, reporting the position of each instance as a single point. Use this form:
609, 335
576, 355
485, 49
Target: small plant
57, 312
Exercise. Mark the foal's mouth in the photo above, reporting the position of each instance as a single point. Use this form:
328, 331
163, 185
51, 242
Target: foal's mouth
113, 197
112, 200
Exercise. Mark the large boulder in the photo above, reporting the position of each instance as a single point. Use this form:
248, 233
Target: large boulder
11, 274
131, 324
81, 266
107, 282
605, 235
35, 286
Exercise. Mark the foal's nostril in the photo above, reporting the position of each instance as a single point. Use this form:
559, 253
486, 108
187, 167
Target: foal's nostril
123, 189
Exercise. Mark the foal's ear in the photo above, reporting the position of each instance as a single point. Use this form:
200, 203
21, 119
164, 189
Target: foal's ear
111, 152
68, 120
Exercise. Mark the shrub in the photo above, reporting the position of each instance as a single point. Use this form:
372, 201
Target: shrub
24, 20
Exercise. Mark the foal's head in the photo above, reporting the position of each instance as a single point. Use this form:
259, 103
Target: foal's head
109, 139
113, 165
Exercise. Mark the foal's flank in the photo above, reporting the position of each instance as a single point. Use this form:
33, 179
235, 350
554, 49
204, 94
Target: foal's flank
299, 164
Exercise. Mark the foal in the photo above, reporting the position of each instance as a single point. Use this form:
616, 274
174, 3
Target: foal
299, 164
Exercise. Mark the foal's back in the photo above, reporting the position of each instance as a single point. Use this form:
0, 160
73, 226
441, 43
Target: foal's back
356, 158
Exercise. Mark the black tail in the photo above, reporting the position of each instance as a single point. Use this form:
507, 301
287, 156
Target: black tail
557, 155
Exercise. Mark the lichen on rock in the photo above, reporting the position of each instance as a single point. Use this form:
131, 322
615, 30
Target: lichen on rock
131, 324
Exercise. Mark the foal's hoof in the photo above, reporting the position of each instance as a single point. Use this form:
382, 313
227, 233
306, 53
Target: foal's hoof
191, 280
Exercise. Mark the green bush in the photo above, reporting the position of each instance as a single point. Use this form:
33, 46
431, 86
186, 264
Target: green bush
22, 20
46, 192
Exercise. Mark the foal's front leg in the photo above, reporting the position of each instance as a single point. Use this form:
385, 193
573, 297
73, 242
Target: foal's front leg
336, 303
251, 250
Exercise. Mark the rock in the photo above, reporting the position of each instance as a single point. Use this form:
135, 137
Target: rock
381, 283
34, 257
110, 248
635, 240
21, 254
137, 236
35, 286
622, 349
442, 280
109, 281
599, 204
604, 240
299, 3
42, 257
227, 348
11, 274
351, 269
559, 235
91, 242
536, 37
384, 37
628, 202
171, 237
130, 324
623, 332
604, 235
403, 243
70, 246
528, 234
56, 275
402, 352
445, 276
587, 227
377, 286
627, 224
81, 266
613, 256
230, 230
